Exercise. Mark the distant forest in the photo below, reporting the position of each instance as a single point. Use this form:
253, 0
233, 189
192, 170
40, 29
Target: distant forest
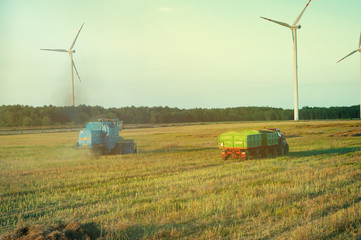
18, 115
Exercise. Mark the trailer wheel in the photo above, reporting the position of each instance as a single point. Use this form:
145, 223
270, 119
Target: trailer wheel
275, 151
226, 156
266, 153
257, 154
246, 155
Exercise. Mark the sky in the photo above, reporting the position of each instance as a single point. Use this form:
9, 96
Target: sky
179, 53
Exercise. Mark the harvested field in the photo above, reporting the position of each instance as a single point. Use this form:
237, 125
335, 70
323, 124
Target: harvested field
179, 188
356, 132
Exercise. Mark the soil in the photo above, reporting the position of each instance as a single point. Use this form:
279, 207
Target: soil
62, 231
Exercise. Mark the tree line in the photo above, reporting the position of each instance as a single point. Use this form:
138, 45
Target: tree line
19, 115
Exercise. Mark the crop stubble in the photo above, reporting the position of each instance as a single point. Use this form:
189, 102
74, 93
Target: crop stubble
178, 186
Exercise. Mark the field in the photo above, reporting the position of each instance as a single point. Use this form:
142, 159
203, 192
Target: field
178, 186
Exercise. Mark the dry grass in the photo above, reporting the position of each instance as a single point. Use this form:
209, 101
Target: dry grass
179, 187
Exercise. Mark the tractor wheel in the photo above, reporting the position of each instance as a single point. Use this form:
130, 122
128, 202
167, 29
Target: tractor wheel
97, 152
287, 149
281, 148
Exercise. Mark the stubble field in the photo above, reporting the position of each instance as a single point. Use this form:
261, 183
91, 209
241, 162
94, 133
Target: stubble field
179, 187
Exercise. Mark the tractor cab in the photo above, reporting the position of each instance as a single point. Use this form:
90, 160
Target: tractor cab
280, 134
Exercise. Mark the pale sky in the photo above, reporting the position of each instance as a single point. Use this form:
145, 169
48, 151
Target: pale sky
179, 53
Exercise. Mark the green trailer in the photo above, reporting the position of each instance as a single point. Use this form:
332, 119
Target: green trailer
252, 143
245, 139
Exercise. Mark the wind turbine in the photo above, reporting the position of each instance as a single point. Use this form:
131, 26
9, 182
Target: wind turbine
294, 28
357, 50
72, 64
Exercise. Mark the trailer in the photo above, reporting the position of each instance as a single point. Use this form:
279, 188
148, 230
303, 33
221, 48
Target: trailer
256, 143
102, 137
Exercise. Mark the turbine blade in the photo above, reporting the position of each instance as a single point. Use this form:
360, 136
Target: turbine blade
76, 71
347, 56
299, 16
359, 43
72, 45
55, 50
280, 23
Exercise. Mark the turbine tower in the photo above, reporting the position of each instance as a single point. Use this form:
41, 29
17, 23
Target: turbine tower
294, 28
357, 50
72, 64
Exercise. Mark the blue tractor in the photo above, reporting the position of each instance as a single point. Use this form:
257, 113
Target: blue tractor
103, 137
